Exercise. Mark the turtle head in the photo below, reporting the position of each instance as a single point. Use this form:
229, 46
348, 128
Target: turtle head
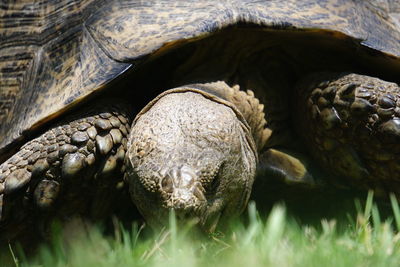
190, 153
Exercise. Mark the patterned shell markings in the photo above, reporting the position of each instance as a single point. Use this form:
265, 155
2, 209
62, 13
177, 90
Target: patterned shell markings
54, 53
47, 61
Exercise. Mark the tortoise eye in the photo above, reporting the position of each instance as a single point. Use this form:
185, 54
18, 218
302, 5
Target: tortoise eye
214, 184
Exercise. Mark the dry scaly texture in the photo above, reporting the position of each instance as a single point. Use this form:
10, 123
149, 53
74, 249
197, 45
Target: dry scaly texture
70, 169
190, 151
352, 124
55, 53
246, 103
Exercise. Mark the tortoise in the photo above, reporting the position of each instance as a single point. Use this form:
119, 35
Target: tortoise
184, 103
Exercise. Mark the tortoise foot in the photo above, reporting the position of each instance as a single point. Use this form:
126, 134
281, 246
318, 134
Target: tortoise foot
77, 161
351, 124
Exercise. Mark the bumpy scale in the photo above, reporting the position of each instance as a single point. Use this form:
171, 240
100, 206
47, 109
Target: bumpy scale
195, 149
352, 126
62, 165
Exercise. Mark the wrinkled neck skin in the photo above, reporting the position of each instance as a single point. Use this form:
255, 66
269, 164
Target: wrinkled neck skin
190, 152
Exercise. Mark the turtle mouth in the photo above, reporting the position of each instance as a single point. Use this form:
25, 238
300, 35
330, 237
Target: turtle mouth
182, 192
206, 217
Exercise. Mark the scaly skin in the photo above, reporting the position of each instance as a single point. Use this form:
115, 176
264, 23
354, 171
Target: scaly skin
189, 151
195, 149
73, 168
351, 124
198, 159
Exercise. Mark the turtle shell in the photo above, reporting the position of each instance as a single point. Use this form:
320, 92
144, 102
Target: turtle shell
54, 54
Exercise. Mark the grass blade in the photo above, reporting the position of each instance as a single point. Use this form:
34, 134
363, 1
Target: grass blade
396, 210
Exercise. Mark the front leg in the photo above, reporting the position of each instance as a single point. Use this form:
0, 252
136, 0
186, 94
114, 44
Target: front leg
73, 168
351, 124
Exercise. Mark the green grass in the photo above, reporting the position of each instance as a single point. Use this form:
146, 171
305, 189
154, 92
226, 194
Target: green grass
277, 240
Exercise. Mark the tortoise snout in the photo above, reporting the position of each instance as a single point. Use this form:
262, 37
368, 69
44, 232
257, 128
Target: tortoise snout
182, 189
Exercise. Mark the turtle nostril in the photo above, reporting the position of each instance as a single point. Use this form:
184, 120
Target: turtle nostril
167, 184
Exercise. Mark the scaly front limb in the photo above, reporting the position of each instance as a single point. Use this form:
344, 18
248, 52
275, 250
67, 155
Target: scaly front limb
71, 169
351, 124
